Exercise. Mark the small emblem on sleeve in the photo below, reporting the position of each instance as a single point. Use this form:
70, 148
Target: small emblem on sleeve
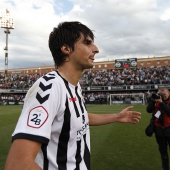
37, 117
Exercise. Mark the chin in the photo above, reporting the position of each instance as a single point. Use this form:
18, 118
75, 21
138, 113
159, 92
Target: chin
89, 66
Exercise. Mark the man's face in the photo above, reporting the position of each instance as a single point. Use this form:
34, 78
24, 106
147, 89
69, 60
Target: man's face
83, 55
165, 94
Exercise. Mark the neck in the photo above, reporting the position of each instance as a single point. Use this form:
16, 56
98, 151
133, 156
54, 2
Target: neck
71, 75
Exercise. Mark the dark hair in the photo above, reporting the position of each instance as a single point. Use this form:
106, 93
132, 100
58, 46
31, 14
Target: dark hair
67, 33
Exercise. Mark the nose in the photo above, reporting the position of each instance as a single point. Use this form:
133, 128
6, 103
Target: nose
95, 49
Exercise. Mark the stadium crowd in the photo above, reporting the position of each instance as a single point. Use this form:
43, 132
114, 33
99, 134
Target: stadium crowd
148, 75
138, 76
17, 81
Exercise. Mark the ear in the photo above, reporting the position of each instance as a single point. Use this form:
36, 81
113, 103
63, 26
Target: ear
65, 49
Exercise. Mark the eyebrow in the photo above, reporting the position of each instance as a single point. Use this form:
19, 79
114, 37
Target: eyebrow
88, 41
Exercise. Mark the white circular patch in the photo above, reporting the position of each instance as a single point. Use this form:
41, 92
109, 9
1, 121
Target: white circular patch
37, 117
131, 87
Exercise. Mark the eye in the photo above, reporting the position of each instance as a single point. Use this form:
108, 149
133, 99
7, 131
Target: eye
88, 42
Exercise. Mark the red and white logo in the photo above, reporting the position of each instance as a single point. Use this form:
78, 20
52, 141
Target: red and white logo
73, 99
37, 117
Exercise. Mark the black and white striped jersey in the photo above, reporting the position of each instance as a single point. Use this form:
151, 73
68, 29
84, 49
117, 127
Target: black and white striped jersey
55, 115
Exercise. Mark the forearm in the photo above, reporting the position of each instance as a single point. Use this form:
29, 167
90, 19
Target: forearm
125, 116
102, 119
165, 108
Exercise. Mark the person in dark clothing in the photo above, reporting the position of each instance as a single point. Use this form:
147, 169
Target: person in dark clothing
159, 106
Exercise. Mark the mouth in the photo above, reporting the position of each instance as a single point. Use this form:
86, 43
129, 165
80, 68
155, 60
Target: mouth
91, 58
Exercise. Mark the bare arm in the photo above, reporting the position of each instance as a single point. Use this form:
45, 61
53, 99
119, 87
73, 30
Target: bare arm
125, 116
22, 155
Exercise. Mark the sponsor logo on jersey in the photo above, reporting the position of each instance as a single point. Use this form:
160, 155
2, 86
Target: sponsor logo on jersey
82, 131
37, 117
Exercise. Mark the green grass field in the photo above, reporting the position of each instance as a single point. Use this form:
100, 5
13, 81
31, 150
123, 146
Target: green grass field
113, 147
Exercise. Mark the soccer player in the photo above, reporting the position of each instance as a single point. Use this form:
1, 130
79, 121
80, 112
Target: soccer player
52, 132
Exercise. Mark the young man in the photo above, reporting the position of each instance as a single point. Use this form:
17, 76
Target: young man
53, 130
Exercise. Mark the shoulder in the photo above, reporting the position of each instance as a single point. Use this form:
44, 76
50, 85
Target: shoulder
46, 86
50, 77
48, 81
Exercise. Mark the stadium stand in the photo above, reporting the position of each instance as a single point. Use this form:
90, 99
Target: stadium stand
97, 85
